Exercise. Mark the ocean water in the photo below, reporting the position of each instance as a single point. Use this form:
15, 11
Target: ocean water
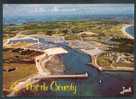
130, 30
72, 17
98, 83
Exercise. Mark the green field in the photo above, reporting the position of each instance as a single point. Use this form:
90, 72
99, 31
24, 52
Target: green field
66, 28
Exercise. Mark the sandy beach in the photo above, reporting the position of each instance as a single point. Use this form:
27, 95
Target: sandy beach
124, 30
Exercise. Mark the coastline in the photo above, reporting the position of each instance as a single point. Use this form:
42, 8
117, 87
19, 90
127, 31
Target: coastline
126, 33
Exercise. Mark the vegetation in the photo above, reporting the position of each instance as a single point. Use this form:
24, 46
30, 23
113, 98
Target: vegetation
123, 46
110, 59
22, 62
107, 28
72, 37
19, 44
128, 48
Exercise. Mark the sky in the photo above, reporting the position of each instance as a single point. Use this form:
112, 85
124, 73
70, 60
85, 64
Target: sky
11, 10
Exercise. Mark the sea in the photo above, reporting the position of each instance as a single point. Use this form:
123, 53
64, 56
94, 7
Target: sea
98, 83
130, 30
28, 19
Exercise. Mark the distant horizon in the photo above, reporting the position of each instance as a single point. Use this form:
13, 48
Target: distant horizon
52, 12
